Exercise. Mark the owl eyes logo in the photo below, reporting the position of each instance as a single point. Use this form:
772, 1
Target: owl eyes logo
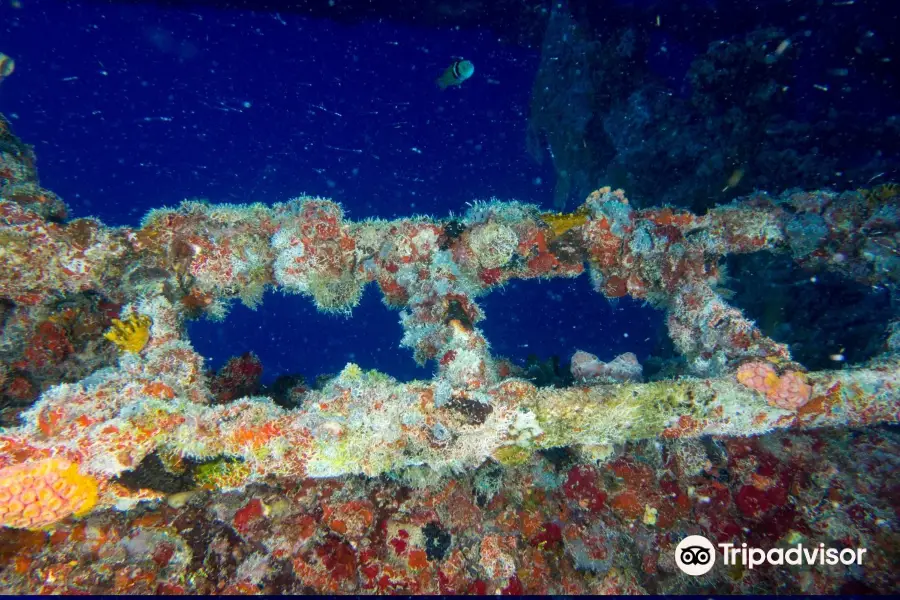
695, 555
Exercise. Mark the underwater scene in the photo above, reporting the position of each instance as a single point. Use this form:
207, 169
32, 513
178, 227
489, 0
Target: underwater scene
449, 297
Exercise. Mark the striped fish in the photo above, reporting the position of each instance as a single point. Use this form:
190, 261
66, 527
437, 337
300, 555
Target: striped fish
455, 74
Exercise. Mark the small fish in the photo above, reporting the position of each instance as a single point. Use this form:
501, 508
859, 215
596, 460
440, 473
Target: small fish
455, 74
734, 179
7, 66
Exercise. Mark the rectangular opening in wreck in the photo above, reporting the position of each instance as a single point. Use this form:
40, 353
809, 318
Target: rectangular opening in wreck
291, 337
827, 321
571, 317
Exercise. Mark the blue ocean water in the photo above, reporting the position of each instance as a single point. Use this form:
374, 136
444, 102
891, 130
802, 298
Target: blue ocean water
135, 106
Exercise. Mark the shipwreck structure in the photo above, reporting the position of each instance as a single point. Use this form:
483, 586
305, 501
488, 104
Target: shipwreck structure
122, 296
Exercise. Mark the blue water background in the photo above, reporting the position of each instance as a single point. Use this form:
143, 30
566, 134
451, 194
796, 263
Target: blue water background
132, 107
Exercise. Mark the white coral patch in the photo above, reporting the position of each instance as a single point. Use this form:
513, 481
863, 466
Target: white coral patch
77, 266
285, 238
493, 244
288, 273
525, 427
425, 241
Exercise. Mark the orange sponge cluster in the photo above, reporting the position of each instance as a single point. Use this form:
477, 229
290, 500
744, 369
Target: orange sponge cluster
39, 493
788, 391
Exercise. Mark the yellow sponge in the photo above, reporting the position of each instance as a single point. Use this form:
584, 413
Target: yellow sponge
130, 335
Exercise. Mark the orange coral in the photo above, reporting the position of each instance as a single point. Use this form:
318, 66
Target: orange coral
37, 494
792, 391
350, 519
159, 390
759, 376
789, 391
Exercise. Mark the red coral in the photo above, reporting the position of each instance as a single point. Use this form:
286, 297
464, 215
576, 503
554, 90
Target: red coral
239, 377
351, 519
48, 346
338, 557
628, 505
637, 287
163, 553
549, 537
542, 263
615, 287
581, 486
249, 514
394, 293
752, 502
491, 276
19, 389
514, 588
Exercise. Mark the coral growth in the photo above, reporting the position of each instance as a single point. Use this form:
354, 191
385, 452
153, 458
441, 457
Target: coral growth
239, 377
788, 390
130, 335
485, 482
588, 368
38, 493
317, 257
553, 525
